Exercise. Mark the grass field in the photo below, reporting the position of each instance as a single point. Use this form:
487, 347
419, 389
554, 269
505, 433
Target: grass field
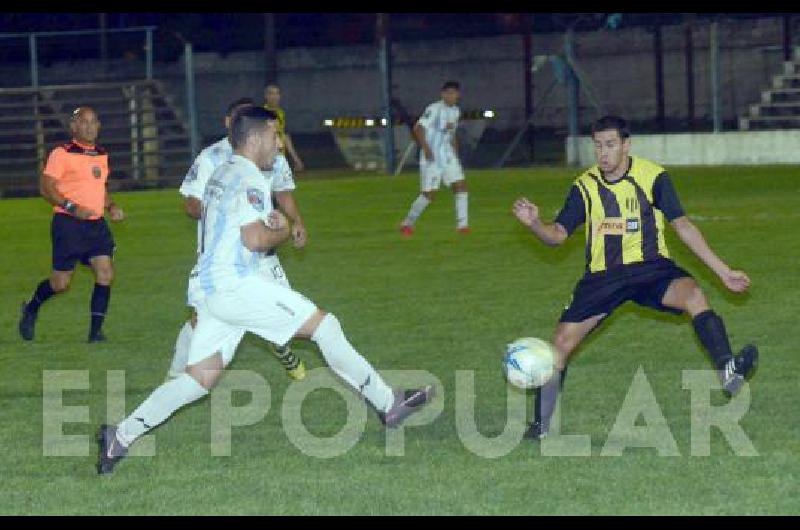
438, 302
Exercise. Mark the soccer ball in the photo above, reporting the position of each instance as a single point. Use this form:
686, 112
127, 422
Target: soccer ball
529, 362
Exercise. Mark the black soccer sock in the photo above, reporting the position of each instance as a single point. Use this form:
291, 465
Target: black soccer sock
711, 331
43, 292
100, 298
546, 397
285, 355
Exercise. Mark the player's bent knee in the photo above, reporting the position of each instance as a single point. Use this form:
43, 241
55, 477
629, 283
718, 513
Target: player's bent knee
205, 377
311, 326
104, 275
696, 301
208, 371
60, 282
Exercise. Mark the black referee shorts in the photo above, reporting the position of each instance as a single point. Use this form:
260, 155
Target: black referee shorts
643, 283
79, 240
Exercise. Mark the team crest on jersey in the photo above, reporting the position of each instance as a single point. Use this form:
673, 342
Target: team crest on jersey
256, 198
97, 172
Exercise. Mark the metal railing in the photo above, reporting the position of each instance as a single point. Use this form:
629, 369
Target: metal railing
34, 38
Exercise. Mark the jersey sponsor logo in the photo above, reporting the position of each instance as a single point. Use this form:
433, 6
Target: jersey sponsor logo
96, 172
632, 225
610, 226
256, 199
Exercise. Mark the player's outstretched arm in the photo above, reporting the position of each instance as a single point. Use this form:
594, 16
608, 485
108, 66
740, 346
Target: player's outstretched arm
528, 214
736, 281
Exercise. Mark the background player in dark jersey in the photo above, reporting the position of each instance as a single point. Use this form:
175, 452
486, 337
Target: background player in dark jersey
74, 182
623, 201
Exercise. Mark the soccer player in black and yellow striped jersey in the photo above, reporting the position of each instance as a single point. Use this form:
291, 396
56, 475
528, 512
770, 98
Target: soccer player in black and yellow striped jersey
272, 101
625, 202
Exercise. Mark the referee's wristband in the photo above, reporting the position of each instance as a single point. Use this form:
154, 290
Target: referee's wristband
69, 206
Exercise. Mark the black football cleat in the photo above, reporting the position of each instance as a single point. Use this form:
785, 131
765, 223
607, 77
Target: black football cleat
27, 322
406, 403
96, 337
535, 431
738, 369
111, 450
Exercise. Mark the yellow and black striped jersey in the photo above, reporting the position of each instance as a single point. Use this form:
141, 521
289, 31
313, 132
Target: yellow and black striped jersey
624, 219
281, 121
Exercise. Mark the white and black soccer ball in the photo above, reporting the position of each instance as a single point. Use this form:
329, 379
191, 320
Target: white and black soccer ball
529, 362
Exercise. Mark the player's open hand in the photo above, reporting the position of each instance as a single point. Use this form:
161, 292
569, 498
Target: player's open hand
526, 211
276, 220
736, 281
115, 213
299, 166
428, 153
299, 235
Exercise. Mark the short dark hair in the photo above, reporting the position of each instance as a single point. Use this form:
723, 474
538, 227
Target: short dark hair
241, 102
248, 121
606, 123
451, 84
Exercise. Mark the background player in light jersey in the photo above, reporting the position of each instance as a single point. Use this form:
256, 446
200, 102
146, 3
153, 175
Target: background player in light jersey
192, 189
438, 162
238, 225
272, 101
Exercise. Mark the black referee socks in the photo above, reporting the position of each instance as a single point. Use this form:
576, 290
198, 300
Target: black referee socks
42, 293
100, 298
711, 331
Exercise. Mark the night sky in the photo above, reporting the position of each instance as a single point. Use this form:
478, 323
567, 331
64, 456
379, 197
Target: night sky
229, 32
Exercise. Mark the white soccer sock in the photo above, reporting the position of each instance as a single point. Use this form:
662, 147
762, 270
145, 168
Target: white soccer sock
350, 365
181, 355
461, 209
417, 207
159, 406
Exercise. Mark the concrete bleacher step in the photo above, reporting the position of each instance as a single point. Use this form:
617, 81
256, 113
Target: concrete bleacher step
141, 127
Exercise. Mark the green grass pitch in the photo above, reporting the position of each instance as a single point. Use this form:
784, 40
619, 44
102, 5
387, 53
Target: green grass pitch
439, 302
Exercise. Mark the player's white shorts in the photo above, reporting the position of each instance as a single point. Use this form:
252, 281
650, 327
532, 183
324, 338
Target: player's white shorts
194, 293
271, 270
432, 174
271, 311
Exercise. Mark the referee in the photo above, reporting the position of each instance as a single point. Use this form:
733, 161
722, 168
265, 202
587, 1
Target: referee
624, 202
74, 182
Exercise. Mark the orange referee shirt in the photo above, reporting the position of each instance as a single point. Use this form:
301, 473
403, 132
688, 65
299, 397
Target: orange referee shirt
80, 172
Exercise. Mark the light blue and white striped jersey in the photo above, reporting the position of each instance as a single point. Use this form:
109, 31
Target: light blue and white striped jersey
440, 122
213, 156
237, 194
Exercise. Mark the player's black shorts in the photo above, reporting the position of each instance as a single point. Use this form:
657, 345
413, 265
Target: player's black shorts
79, 240
643, 283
